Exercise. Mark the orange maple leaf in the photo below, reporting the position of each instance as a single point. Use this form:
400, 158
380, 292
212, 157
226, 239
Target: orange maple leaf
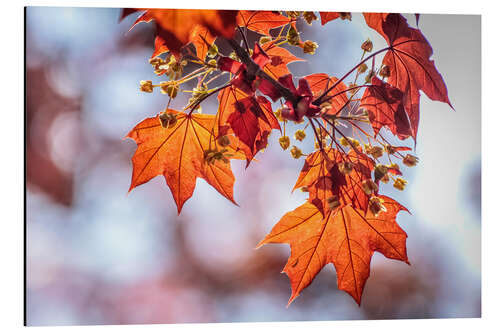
179, 153
248, 117
261, 21
328, 16
346, 237
280, 58
322, 176
320, 82
178, 27
384, 104
410, 68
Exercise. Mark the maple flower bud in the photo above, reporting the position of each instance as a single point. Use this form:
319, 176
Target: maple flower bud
380, 172
278, 114
410, 160
292, 36
309, 47
375, 151
293, 14
309, 17
394, 166
369, 76
213, 51
345, 167
233, 56
167, 120
345, 16
376, 205
390, 149
362, 68
385, 179
284, 142
304, 189
400, 183
169, 89
299, 135
367, 45
317, 146
385, 72
369, 186
223, 141
333, 202
147, 86
349, 142
264, 39
296, 152
212, 63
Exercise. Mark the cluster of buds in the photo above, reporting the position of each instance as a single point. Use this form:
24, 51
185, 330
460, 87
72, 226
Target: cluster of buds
309, 47
367, 45
380, 172
309, 17
199, 93
400, 183
284, 142
167, 120
410, 160
376, 205
374, 151
369, 186
292, 36
213, 155
349, 142
146, 86
362, 68
170, 88
296, 152
345, 16
173, 68
299, 135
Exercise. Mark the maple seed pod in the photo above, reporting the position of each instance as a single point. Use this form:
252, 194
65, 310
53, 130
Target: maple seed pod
333, 202
213, 51
362, 68
410, 160
385, 72
345, 167
309, 17
292, 36
346, 16
223, 141
367, 45
400, 183
296, 152
147, 86
284, 142
309, 47
299, 135
380, 172
264, 39
376, 205
369, 186
167, 120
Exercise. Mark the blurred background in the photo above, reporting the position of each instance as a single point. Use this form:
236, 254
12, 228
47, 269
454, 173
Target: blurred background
97, 255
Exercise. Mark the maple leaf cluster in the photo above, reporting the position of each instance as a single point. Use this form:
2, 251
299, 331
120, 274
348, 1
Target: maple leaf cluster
345, 219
